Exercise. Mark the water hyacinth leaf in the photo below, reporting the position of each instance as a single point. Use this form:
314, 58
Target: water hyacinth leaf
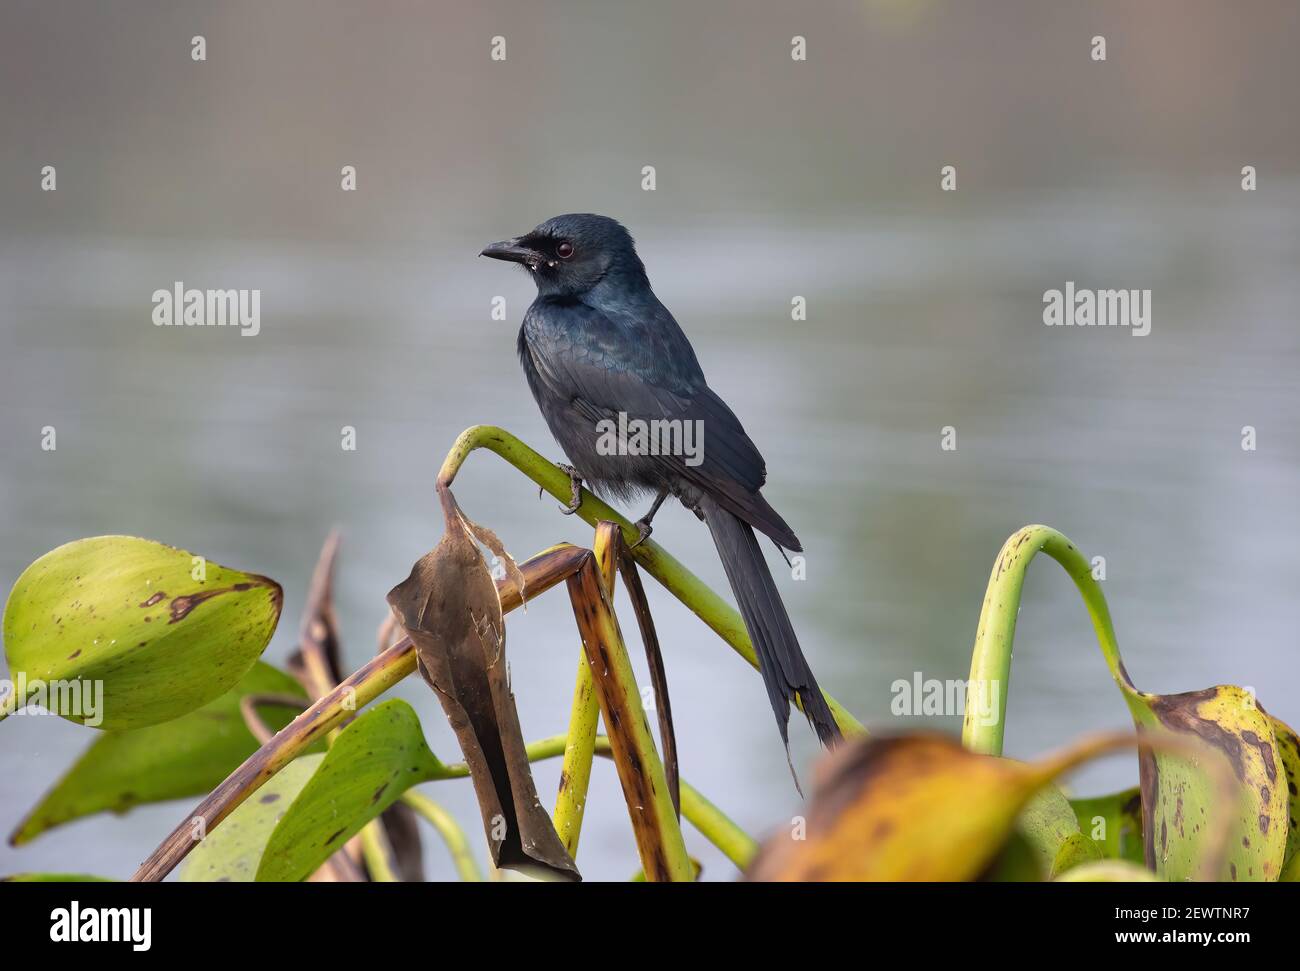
915, 807
160, 631
1050, 826
1288, 749
1174, 795
450, 607
1019, 861
185, 757
370, 764
923, 807
1114, 822
233, 851
1109, 871
1291, 870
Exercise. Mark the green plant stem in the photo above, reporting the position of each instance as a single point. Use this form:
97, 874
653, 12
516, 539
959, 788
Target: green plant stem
736, 845
580, 746
378, 853
457, 843
716, 613
991, 660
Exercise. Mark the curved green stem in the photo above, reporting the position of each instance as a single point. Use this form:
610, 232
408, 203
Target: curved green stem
378, 853
991, 660
736, 845
445, 823
716, 613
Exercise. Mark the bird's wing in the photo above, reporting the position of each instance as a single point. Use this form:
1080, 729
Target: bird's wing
648, 371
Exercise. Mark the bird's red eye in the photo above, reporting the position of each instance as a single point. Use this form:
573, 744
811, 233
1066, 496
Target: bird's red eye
565, 250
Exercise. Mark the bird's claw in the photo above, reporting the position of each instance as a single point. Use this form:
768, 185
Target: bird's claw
643, 531
575, 483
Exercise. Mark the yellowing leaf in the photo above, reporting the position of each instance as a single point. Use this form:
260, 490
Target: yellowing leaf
1175, 798
922, 807
914, 807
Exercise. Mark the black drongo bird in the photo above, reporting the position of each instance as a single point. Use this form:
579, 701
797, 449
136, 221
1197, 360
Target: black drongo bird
601, 352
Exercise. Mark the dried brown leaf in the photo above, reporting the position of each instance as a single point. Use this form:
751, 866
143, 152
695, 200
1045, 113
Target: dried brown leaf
450, 608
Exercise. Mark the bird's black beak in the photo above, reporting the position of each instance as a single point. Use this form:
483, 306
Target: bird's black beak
512, 250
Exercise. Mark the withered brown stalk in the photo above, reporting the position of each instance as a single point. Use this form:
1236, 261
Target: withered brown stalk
641, 773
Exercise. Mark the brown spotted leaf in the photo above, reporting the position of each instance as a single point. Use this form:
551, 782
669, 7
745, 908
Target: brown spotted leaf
450, 608
1176, 802
158, 631
1288, 749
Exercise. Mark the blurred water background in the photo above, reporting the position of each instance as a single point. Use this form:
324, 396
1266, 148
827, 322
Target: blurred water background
774, 179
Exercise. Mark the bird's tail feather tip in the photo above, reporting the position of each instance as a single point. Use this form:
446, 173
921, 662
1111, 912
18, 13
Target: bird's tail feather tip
820, 718
793, 774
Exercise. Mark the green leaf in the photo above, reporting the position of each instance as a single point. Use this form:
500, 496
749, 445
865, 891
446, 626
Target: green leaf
1288, 750
55, 878
128, 618
1226, 718
185, 757
1115, 820
1050, 826
370, 764
1109, 871
1019, 861
233, 850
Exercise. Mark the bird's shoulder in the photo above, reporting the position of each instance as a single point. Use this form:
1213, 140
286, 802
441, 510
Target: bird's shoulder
641, 341
605, 364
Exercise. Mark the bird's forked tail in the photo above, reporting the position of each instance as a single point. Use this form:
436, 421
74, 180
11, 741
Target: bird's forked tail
780, 660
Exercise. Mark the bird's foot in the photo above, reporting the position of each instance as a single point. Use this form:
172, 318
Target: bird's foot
643, 531
575, 484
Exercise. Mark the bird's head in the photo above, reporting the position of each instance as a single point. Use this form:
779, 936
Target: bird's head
570, 255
